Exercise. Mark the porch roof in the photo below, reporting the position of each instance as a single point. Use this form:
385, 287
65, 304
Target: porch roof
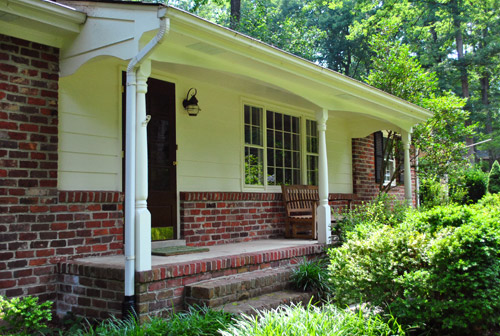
44, 22
197, 46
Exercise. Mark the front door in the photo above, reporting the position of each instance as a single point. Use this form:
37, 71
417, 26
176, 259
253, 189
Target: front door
162, 147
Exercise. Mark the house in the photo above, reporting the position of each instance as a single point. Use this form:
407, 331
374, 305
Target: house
99, 154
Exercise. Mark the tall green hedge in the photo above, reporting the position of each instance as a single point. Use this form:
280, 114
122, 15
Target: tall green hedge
494, 179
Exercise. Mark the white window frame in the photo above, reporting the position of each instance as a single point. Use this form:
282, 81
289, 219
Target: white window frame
303, 115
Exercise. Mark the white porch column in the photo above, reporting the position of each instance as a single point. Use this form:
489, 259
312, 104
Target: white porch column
406, 138
142, 214
323, 213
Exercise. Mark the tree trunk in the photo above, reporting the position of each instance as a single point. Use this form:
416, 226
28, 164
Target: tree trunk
464, 79
235, 14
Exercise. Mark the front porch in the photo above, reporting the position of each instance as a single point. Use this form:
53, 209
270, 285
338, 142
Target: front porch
94, 287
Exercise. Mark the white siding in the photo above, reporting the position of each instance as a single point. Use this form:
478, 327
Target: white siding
89, 128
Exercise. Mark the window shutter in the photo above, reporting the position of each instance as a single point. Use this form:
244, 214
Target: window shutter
379, 154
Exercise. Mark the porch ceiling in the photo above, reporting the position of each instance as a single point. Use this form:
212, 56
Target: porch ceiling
196, 42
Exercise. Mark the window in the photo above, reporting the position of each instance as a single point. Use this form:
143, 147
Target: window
312, 152
387, 156
277, 150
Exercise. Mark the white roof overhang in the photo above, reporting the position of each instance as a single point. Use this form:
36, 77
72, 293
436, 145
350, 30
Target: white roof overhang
194, 42
44, 22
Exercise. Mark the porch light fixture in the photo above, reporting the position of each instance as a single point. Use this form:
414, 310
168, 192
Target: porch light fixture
191, 103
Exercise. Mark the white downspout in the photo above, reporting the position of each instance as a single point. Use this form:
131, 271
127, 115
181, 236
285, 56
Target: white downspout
130, 139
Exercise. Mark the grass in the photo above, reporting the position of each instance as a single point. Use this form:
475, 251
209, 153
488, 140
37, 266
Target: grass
326, 320
195, 322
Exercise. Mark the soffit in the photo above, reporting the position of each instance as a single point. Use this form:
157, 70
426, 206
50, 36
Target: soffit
40, 21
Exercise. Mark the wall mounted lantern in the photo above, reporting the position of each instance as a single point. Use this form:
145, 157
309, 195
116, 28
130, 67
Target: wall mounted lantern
191, 103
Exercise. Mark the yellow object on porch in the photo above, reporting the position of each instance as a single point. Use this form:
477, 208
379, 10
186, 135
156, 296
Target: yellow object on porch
162, 233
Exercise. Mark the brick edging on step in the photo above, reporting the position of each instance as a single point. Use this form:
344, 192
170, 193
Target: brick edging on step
226, 262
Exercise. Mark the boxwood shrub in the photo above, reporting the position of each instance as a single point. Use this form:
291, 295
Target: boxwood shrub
438, 271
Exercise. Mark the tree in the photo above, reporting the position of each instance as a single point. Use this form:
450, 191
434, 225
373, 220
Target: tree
397, 72
494, 179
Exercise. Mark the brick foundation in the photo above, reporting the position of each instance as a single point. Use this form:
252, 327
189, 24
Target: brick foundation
363, 170
40, 225
95, 290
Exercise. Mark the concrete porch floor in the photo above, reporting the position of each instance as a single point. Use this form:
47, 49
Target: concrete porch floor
215, 251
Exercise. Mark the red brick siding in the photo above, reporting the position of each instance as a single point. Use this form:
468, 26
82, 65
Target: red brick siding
95, 290
210, 218
39, 225
363, 171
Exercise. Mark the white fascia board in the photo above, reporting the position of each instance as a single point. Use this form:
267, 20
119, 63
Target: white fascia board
49, 13
246, 46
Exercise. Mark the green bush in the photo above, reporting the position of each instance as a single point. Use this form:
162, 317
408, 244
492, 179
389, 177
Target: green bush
312, 276
439, 271
384, 209
468, 186
432, 193
325, 321
24, 316
494, 179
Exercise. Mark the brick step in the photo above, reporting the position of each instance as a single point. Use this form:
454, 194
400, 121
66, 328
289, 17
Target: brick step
223, 290
266, 302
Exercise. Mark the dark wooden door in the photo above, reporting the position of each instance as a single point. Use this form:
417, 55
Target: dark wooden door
162, 200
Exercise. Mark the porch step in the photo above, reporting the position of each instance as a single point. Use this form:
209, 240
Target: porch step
266, 302
226, 290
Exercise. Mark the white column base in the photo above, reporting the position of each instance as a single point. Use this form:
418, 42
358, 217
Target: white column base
143, 240
324, 218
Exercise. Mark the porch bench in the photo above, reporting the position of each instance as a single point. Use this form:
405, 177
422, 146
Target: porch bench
301, 202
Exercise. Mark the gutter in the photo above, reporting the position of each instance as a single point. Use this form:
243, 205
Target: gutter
128, 306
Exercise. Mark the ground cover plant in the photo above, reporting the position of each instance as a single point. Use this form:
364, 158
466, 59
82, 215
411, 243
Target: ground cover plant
326, 320
438, 271
312, 276
194, 322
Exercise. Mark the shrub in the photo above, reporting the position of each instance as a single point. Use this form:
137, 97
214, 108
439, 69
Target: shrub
494, 179
432, 193
468, 186
312, 276
24, 316
384, 209
299, 321
439, 271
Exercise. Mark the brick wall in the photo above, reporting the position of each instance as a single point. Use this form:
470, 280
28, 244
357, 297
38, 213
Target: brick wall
96, 290
363, 170
210, 218
40, 225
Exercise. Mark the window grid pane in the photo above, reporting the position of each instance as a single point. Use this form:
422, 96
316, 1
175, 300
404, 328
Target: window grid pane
283, 154
254, 152
312, 152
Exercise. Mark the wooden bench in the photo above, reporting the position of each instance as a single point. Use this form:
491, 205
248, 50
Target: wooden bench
301, 202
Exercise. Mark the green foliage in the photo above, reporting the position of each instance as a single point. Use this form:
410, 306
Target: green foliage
438, 271
468, 186
304, 321
24, 316
254, 170
195, 322
432, 192
494, 179
312, 275
383, 209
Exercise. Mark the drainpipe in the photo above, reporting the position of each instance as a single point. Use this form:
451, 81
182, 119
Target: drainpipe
128, 306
